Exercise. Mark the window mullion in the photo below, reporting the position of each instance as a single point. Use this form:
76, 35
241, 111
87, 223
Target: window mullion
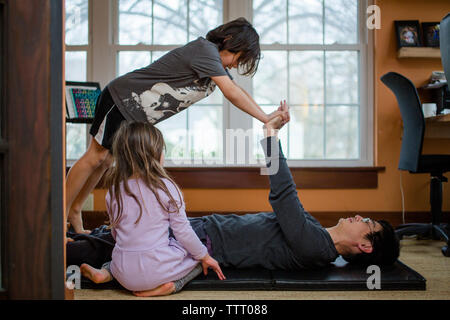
103, 58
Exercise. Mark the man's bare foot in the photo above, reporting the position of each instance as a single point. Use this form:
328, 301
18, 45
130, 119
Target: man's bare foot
76, 222
95, 275
163, 290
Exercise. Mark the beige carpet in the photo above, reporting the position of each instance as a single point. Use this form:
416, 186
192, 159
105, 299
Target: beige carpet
424, 256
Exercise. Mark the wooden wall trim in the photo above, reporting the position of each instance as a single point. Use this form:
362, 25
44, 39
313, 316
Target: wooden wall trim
250, 178
93, 219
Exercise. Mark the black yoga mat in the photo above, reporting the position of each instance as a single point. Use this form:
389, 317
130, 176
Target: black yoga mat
339, 276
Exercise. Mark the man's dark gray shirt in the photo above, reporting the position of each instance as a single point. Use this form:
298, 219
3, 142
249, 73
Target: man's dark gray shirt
288, 238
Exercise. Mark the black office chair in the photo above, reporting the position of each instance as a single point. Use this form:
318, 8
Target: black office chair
412, 159
444, 37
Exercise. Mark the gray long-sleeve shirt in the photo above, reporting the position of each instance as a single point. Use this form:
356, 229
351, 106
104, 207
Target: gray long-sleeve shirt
288, 238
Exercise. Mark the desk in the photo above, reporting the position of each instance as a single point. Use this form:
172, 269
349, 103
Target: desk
437, 126
440, 118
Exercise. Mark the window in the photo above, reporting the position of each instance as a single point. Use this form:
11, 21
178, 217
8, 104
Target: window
77, 48
148, 29
316, 55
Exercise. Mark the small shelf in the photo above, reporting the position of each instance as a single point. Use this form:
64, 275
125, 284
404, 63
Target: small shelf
79, 120
439, 118
419, 52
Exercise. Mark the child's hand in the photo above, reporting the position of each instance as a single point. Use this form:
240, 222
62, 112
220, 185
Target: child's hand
208, 261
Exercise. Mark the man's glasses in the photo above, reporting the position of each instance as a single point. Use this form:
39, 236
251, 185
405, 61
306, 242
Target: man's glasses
370, 223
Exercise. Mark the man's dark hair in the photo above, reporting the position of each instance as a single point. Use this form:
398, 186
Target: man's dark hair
238, 36
385, 244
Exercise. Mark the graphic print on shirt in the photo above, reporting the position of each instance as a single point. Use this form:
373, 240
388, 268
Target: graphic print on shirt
163, 101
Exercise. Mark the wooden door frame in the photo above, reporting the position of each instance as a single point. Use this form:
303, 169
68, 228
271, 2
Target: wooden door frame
34, 217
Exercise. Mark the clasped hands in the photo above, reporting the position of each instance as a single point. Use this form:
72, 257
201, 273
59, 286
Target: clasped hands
277, 119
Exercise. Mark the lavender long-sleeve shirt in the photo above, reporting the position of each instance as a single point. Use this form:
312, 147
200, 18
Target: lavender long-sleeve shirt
144, 256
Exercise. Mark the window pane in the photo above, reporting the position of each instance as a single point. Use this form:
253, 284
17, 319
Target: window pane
342, 70
215, 98
75, 65
135, 21
269, 20
157, 54
77, 25
170, 22
205, 132
75, 140
306, 77
305, 22
342, 132
204, 15
270, 82
341, 21
132, 60
175, 135
75, 132
306, 132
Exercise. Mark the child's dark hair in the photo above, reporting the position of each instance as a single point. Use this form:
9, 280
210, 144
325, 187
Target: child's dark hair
386, 247
238, 36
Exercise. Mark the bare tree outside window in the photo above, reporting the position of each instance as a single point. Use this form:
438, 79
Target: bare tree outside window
302, 63
161, 23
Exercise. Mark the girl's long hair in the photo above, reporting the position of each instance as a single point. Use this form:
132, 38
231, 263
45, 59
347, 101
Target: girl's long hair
137, 150
238, 36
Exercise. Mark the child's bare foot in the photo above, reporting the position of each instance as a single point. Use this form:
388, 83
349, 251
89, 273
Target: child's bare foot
163, 290
76, 221
95, 275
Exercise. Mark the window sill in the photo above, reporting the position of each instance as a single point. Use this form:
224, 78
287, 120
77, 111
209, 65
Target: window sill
250, 178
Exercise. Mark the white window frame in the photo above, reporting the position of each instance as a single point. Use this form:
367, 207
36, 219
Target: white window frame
89, 62
102, 52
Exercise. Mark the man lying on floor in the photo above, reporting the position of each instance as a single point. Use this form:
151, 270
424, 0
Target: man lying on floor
288, 238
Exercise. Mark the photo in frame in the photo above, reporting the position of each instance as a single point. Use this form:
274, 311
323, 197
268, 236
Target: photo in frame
81, 98
430, 31
408, 33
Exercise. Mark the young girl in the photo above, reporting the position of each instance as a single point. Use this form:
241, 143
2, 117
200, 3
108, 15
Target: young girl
167, 86
142, 203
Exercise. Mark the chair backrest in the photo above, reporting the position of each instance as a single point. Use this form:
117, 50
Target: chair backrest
444, 36
413, 119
